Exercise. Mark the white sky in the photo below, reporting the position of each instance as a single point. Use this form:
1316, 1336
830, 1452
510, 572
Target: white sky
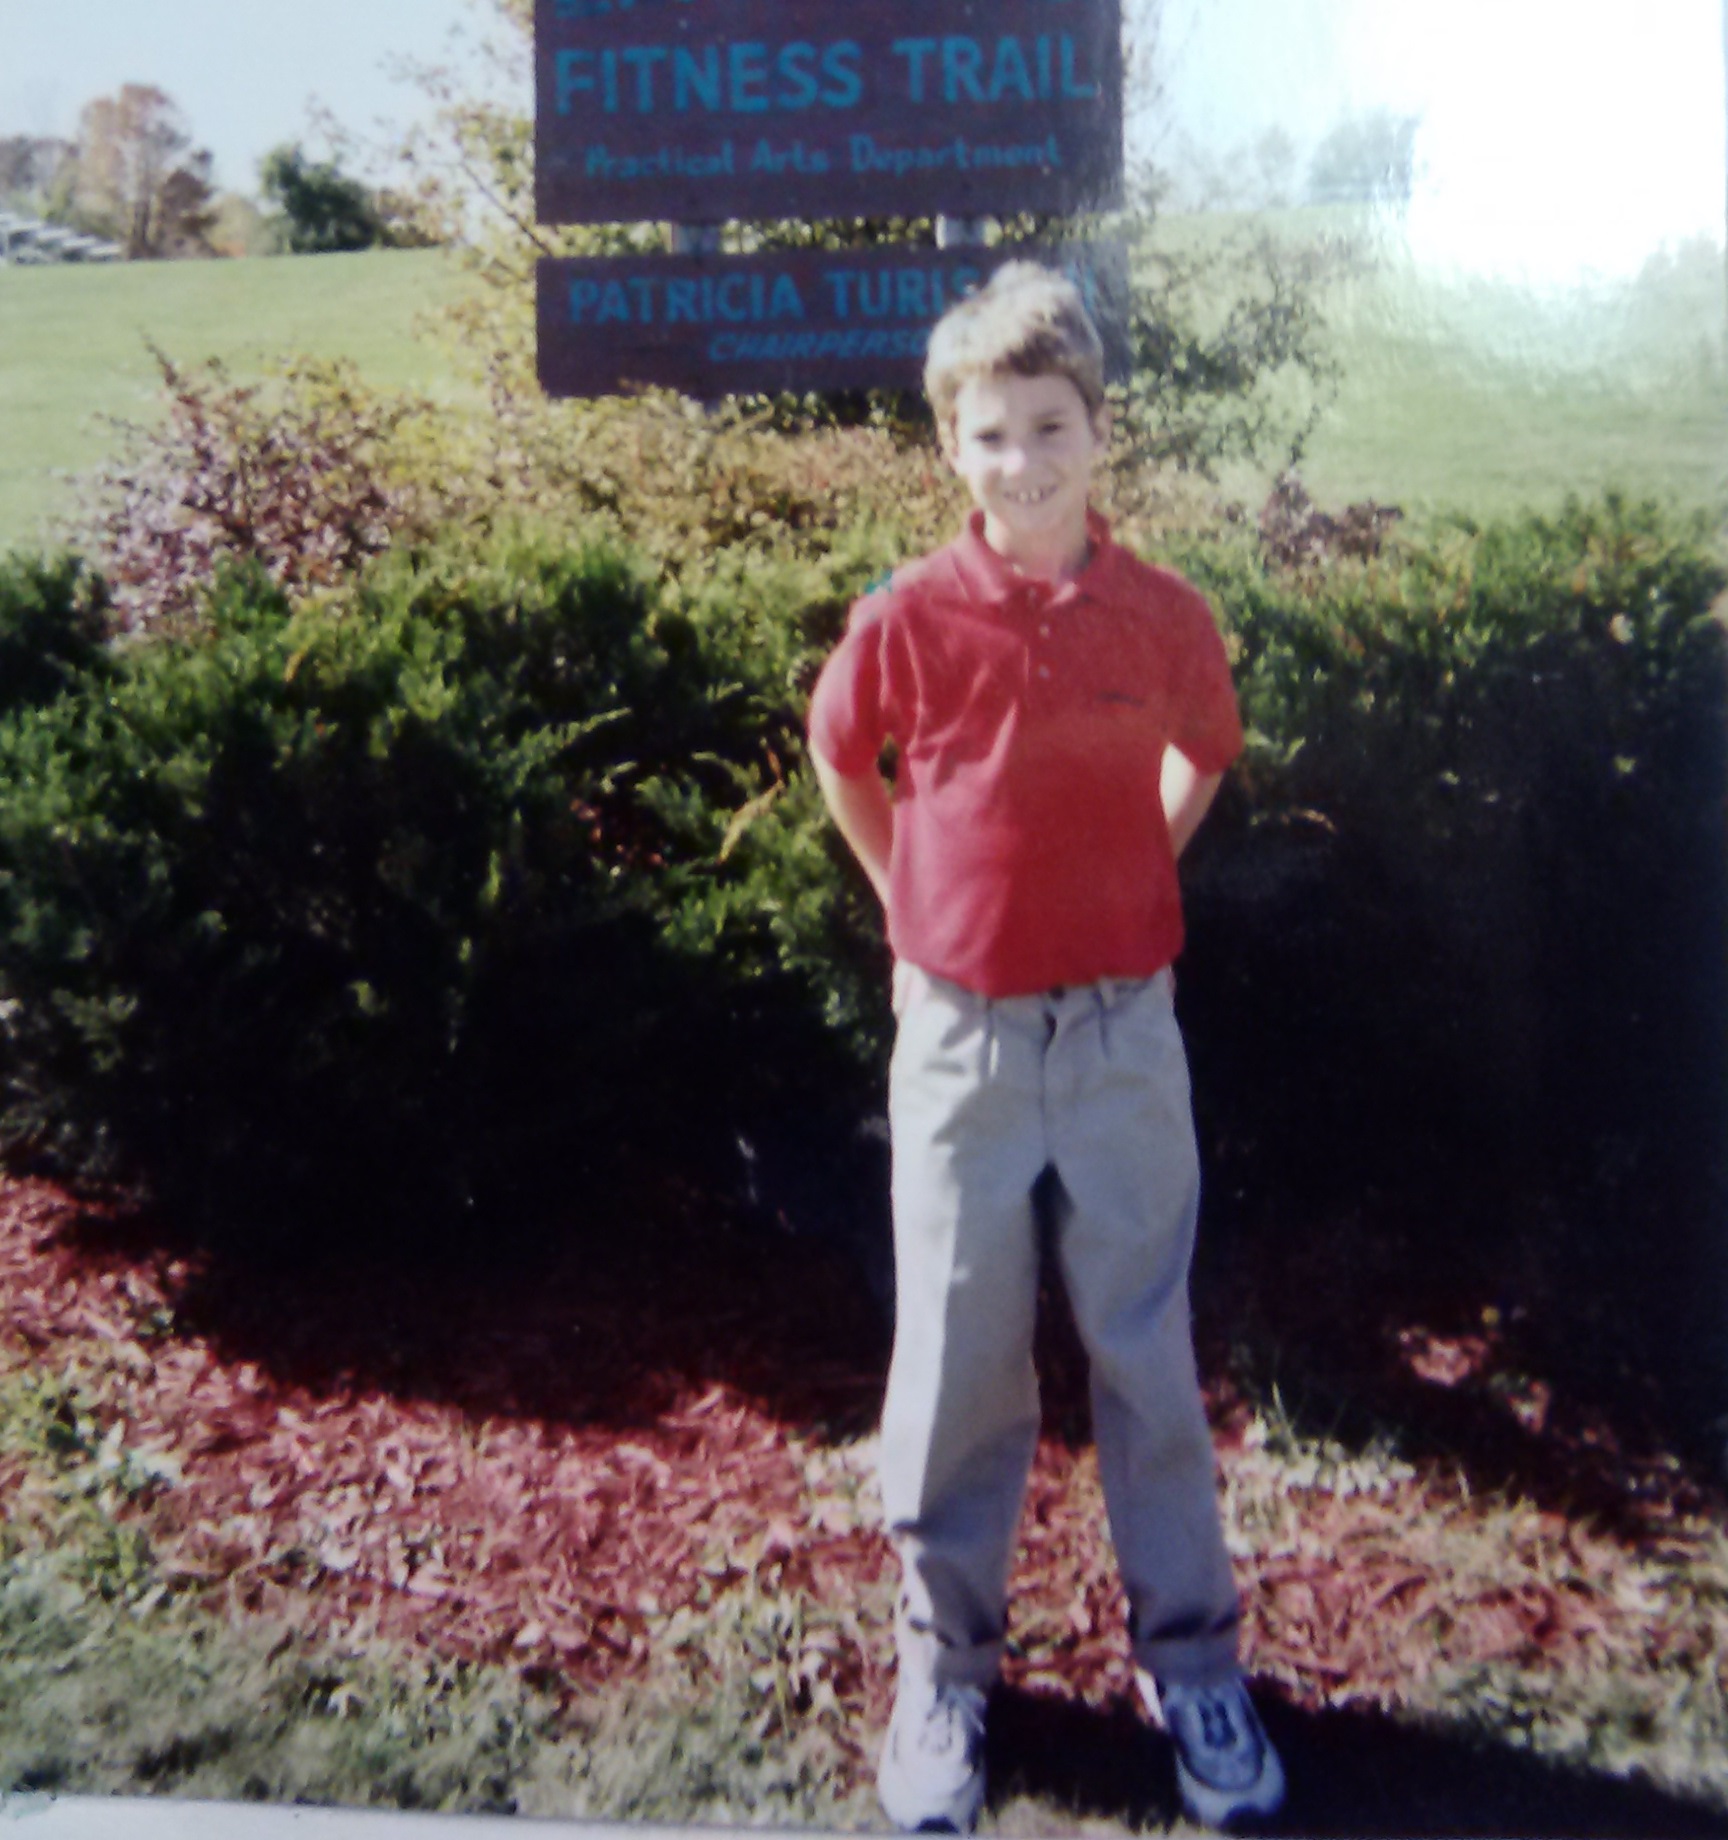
1558, 137
242, 71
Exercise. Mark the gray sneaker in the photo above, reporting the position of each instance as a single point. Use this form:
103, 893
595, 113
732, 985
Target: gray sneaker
1226, 1767
932, 1774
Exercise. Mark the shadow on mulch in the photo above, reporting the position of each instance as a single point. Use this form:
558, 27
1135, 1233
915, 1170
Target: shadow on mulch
1499, 1351
610, 1324
606, 1328
1350, 1774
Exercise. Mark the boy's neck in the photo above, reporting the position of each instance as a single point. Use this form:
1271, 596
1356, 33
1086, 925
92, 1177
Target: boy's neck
1061, 556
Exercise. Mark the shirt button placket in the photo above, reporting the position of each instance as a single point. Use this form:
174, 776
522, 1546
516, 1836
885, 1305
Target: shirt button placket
1042, 668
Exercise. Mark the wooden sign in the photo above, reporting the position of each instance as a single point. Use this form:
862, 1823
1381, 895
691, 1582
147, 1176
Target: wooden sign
700, 111
793, 320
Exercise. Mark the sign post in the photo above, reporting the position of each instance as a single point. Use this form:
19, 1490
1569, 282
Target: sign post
696, 112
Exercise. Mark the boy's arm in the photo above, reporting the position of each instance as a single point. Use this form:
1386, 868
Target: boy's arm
1186, 794
861, 808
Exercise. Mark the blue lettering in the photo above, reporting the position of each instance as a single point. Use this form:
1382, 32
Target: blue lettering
840, 64
747, 64
748, 76
840, 284
1043, 66
962, 62
1070, 86
701, 80
573, 78
914, 51
911, 299
614, 304
681, 302
642, 59
731, 297
584, 295
786, 302
1010, 72
875, 294
797, 66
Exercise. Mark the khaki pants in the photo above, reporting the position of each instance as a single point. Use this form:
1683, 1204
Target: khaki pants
983, 1095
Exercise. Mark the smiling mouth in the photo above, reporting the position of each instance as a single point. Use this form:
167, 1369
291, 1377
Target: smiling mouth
1029, 498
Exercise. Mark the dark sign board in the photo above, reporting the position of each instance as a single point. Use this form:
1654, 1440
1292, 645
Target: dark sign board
798, 320
700, 111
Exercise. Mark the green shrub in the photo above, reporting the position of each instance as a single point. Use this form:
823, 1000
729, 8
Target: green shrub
1456, 926
341, 912
500, 873
52, 617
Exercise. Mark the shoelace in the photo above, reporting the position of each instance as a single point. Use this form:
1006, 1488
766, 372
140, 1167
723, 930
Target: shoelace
948, 1729
1218, 1725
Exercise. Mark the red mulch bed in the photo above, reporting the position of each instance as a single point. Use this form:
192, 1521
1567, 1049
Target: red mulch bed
528, 1473
536, 1470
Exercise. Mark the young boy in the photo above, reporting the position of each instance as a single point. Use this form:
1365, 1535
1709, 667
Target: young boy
1062, 715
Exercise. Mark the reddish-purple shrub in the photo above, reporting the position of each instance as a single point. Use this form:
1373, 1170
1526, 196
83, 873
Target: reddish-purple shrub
295, 474
1296, 533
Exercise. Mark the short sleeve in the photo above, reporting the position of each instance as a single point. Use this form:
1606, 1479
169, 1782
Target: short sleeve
1208, 727
849, 720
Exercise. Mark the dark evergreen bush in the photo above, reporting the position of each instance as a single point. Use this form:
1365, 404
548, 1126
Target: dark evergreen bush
51, 629
1457, 925
501, 874
348, 914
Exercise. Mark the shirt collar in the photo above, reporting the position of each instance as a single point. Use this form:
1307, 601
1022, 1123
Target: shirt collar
991, 578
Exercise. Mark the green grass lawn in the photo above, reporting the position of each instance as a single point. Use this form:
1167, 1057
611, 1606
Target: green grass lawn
1467, 393
75, 345
1475, 395
1483, 395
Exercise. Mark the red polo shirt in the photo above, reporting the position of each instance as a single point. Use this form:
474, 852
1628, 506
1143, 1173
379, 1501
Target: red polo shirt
1030, 719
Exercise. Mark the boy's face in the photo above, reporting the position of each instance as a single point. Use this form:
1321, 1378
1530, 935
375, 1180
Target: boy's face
1026, 447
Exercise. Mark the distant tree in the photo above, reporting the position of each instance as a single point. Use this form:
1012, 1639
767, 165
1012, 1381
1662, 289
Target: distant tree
1274, 159
241, 229
1368, 158
139, 179
30, 167
319, 209
1252, 175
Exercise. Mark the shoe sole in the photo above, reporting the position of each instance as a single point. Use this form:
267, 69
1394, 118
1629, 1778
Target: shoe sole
914, 1814
1200, 1801
1221, 1807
